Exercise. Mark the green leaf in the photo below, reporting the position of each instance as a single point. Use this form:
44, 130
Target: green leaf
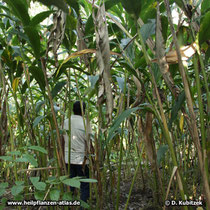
31, 159
149, 10
109, 4
207, 56
157, 73
161, 153
34, 39
124, 115
67, 196
52, 180
20, 10
38, 148
54, 195
93, 80
119, 120
72, 182
34, 179
164, 24
116, 132
89, 180
176, 107
16, 190
132, 6
19, 182
2, 191
148, 29
14, 153
38, 75
63, 178
39, 186
39, 195
129, 51
205, 6
7, 158
40, 17
1, 52
39, 105
121, 83
21, 160
84, 204
3, 203
74, 4
37, 120
58, 88
174, 69
4, 185
128, 68
204, 33
61, 4
18, 197
89, 27
65, 66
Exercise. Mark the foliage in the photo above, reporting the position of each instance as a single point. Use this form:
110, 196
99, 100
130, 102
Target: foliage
147, 99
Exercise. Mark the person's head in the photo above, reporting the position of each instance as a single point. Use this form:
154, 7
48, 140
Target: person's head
77, 109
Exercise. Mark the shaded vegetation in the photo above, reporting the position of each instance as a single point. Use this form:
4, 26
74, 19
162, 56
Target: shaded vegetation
145, 79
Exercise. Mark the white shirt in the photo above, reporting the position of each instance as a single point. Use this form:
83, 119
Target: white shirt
78, 139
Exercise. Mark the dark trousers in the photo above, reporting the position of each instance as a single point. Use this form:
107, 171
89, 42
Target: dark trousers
77, 170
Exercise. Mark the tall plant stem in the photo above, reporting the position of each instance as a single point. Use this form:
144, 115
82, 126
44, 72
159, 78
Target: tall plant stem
98, 160
165, 126
194, 128
12, 141
69, 117
54, 116
134, 178
17, 109
203, 134
195, 38
119, 169
42, 159
31, 96
121, 154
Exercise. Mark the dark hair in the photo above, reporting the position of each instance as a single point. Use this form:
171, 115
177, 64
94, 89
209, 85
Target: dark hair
77, 108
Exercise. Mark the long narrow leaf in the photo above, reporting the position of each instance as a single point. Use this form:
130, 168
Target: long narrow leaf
38, 75
37, 120
61, 4
176, 107
58, 88
119, 120
34, 39
20, 10
40, 17
38, 148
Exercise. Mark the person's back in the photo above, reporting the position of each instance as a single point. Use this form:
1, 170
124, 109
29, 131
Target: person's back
78, 162
77, 140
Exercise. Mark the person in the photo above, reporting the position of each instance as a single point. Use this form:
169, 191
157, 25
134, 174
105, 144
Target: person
78, 160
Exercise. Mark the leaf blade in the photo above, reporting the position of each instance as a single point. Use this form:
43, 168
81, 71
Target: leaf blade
38, 148
20, 10
40, 17
37, 120
61, 4
34, 40
72, 182
17, 190
54, 195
